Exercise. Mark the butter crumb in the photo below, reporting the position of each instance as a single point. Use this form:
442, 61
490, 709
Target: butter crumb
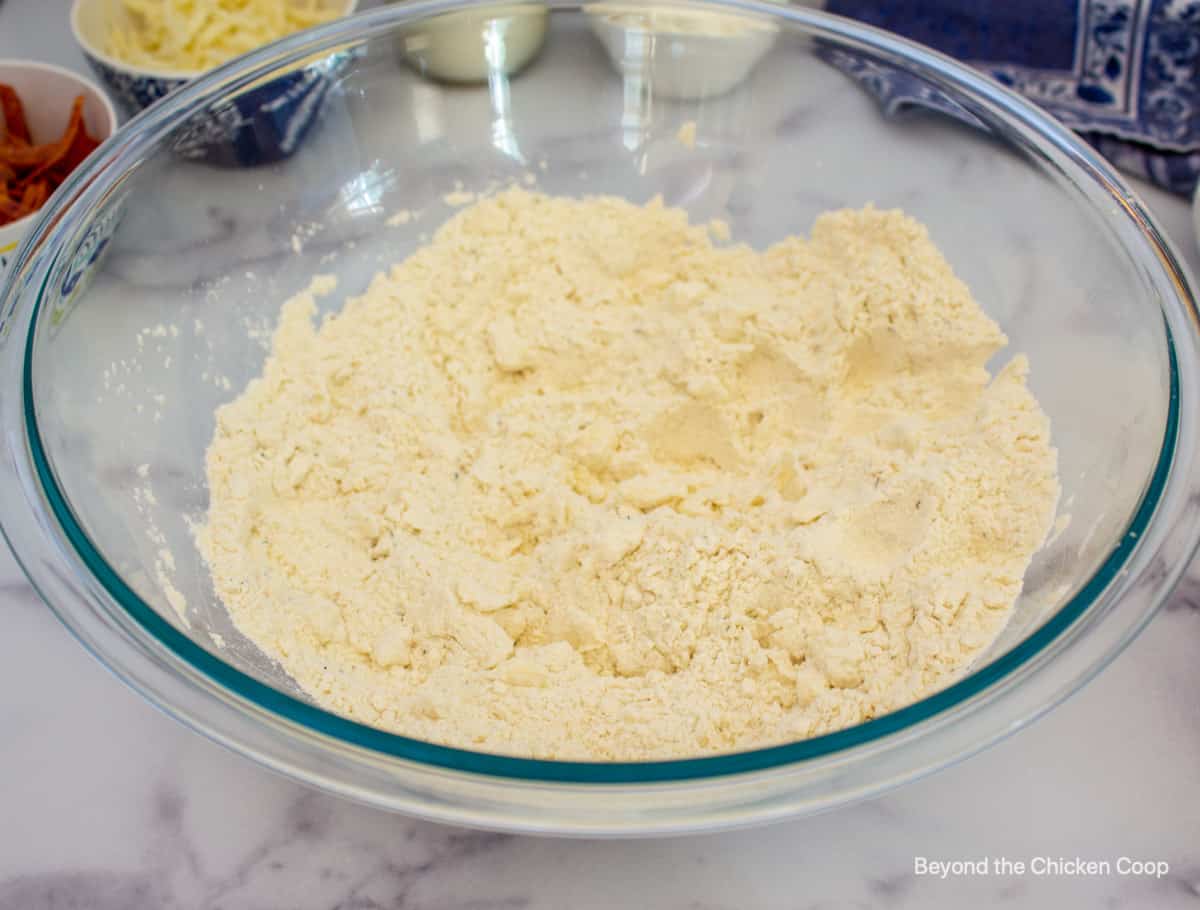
571, 482
687, 134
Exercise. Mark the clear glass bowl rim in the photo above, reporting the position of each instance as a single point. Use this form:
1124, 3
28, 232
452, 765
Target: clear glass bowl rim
89, 182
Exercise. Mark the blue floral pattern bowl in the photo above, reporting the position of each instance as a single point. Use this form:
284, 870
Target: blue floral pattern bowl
263, 124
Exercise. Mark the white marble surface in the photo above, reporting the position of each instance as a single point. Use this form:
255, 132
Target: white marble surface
106, 804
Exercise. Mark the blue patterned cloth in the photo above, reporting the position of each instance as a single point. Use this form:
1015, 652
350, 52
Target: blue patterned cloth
1123, 73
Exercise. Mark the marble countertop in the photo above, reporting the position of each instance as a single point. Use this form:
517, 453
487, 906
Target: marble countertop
106, 804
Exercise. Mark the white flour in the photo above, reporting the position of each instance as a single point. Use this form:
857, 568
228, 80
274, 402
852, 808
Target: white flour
572, 482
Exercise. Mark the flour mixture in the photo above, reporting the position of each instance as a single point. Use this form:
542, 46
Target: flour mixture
575, 482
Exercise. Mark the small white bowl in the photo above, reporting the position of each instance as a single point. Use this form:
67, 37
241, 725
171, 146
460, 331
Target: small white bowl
663, 43
47, 93
468, 46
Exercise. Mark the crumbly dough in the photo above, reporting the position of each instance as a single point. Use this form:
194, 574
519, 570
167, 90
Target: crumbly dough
686, 134
574, 482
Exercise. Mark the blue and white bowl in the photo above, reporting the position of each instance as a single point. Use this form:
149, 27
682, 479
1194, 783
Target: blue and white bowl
263, 124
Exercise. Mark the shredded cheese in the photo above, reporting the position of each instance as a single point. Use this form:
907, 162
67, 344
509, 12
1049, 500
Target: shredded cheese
196, 35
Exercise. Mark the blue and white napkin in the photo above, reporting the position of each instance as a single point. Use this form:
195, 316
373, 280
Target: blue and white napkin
1125, 74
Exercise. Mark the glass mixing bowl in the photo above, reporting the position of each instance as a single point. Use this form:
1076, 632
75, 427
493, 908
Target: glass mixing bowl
142, 297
